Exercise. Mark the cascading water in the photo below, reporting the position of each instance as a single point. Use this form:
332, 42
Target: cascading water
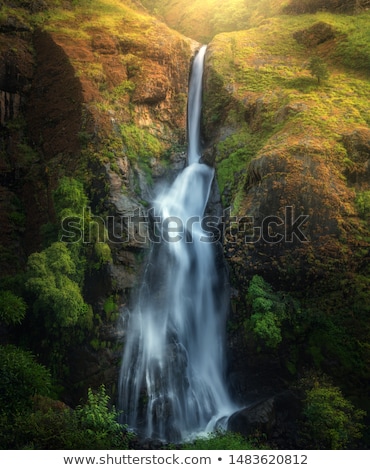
171, 380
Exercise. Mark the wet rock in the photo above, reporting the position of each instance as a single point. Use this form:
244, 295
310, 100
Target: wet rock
208, 157
276, 417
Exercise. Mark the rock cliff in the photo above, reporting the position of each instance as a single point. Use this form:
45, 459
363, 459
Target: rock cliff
292, 162
97, 95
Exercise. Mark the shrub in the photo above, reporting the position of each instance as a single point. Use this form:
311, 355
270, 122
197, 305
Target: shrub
268, 311
363, 204
99, 422
21, 377
332, 422
12, 308
51, 279
69, 198
51, 425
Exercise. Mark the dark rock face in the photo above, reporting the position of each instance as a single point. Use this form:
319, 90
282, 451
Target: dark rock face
276, 417
357, 144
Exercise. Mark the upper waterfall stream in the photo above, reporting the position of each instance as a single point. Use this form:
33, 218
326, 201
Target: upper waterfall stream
172, 381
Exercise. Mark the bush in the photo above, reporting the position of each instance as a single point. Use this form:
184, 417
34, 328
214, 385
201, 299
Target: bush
51, 425
21, 377
332, 422
99, 422
12, 308
268, 311
69, 198
51, 276
363, 204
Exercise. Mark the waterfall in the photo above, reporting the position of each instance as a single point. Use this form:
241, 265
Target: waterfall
172, 381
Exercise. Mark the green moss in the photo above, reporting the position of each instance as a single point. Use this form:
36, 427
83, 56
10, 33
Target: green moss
110, 306
139, 144
363, 204
233, 155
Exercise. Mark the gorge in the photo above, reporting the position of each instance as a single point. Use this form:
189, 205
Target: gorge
93, 125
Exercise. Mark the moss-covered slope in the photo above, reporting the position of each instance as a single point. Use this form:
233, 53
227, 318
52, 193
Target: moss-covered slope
287, 151
203, 19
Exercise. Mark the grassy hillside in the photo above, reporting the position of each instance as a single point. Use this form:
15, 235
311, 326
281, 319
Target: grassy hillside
203, 19
280, 138
269, 65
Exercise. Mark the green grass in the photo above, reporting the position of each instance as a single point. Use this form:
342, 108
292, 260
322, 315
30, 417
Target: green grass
222, 441
268, 65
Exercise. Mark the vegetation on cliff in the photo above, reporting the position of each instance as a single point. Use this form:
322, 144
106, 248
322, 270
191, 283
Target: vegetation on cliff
93, 107
289, 147
93, 102
203, 20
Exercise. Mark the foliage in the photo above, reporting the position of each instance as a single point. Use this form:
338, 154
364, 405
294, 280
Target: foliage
51, 425
268, 312
203, 20
12, 308
139, 143
84, 233
51, 279
69, 198
363, 204
21, 377
312, 6
318, 69
332, 421
233, 156
100, 422
221, 441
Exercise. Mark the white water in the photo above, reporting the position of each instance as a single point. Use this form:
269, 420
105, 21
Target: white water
172, 381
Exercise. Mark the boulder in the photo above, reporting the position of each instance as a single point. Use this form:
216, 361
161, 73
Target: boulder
276, 417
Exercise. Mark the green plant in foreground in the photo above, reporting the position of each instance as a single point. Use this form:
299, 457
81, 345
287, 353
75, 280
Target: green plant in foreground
99, 421
52, 425
220, 441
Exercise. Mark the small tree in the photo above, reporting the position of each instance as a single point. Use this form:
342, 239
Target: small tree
268, 311
332, 421
51, 278
318, 69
